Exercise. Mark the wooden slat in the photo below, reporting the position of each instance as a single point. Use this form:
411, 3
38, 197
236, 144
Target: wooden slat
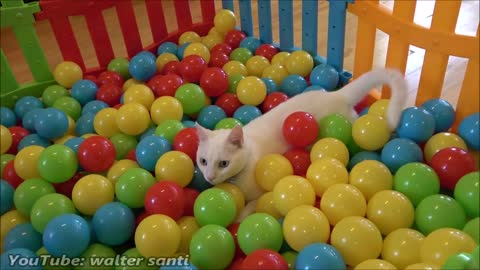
129, 27
100, 38
156, 19
182, 11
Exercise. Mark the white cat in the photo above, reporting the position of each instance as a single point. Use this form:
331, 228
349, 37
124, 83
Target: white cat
232, 154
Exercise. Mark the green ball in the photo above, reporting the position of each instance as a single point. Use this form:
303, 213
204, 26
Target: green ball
49, 207
192, 98
241, 55
291, 258
439, 211
52, 93
123, 144
215, 206
169, 129
233, 80
4, 159
336, 126
70, 106
98, 251
49, 264
28, 192
120, 65
353, 147
132, 186
57, 163
472, 228
416, 181
476, 256
212, 247
467, 193
142, 265
259, 231
460, 261
228, 123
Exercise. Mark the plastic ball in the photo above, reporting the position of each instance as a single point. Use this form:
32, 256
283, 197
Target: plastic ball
188, 226
237, 194
399, 152
92, 192
210, 115
374, 264
52, 123
233, 81
48, 207
235, 67
25, 163
416, 181
229, 103
86, 123
7, 117
96, 154
273, 100
105, 123
95, 251
442, 111
165, 85
451, 164
197, 48
140, 94
6, 197
118, 168
150, 149
325, 76
69, 106
53, 92
370, 132
357, 239
84, 91
167, 198
336, 126
132, 187
211, 40
292, 191
110, 94
241, 55
192, 98
326, 172
142, 66
267, 50
441, 141
212, 247
67, 73
176, 166
300, 129
57, 163
270, 84
26, 104
234, 37
94, 106
113, 223
166, 108
168, 129
460, 260
10, 175
293, 85
319, 256
280, 58
215, 206
218, 59
67, 234
439, 211
256, 65
472, 228
17, 135
133, 118
163, 59
416, 124
265, 204
214, 81
469, 130
342, 200
227, 123
370, 177
330, 147
264, 259
186, 141
251, 91
467, 193
276, 73
270, 169
23, 236
110, 77
119, 65
31, 260
123, 144
299, 63
380, 106
157, 236
4, 159
192, 67
224, 21
168, 46
299, 159
401, 247
259, 231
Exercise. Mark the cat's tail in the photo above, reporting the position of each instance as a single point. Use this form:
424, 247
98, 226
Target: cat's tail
358, 88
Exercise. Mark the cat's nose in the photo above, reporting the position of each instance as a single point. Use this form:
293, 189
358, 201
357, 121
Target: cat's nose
210, 177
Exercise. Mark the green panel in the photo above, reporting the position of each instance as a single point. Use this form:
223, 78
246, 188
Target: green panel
29, 89
8, 82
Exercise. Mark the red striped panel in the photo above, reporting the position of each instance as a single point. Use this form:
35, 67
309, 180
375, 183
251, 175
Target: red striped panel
184, 17
208, 10
156, 19
66, 40
129, 27
101, 40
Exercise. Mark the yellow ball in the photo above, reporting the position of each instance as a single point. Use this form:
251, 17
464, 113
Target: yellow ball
265, 204
214, 32
88, 135
189, 37
71, 126
105, 122
304, 225
92, 192
251, 90
441, 141
330, 147
370, 177
440, 244
342, 200
157, 236
270, 169
25, 162
118, 168
5, 139
133, 119
326, 172
275, 72
188, 226
379, 107
164, 58
166, 108
211, 40
235, 67
256, 65
422, 266
130, 82
8, 221
175, 166
376, 264
300, 63
280, 58
292, 191
67, 73
390, 210
357, 239
402, 247
64, 139
236, 193
224, 21
139, 93
370, 132
198, 48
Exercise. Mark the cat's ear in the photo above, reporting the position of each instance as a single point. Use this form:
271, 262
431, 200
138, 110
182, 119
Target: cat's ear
201, 132
236, 136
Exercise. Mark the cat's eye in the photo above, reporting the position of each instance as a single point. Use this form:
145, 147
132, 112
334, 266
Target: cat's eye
203, 162
223, 163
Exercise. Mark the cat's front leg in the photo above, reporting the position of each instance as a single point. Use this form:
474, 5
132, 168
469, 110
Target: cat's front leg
247, 210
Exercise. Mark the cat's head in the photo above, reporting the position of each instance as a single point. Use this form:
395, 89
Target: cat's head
221, 153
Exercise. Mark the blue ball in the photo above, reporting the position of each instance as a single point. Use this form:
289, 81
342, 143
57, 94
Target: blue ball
51, 123
167, 47
325, 76
399, 152
188, 123
20, 259
251, 43
210, 115
113, 223
25, 104
149, 150
247, 113
33, 139
84, 91
7, 117
314, 88
361, 156
364, 111
181, 50
293, 85
74, 143
416, 124
30, 118
319, 256
150, 131
94, 107
270, 84
189, 266
198, 182
84, 124
443, 113
6, 197
67, 234
469, 130
142, 66
23, 236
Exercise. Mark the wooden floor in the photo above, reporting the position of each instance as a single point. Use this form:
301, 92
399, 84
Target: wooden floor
467, 24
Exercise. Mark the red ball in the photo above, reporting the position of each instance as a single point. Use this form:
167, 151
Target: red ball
267, 51
233, 228
191, 68
300, 129
236, 264
272, 101
264, 259
131, 155
165, 85
221, 47
107, 77
110, 93
234, 37
141, 217
66, 188
300, 160
229, 102
218, 59
214, 81
18, 133
10, 175
171, 68
190, 197
451, 164
96, 154
187, 141
91, 78
167, 198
